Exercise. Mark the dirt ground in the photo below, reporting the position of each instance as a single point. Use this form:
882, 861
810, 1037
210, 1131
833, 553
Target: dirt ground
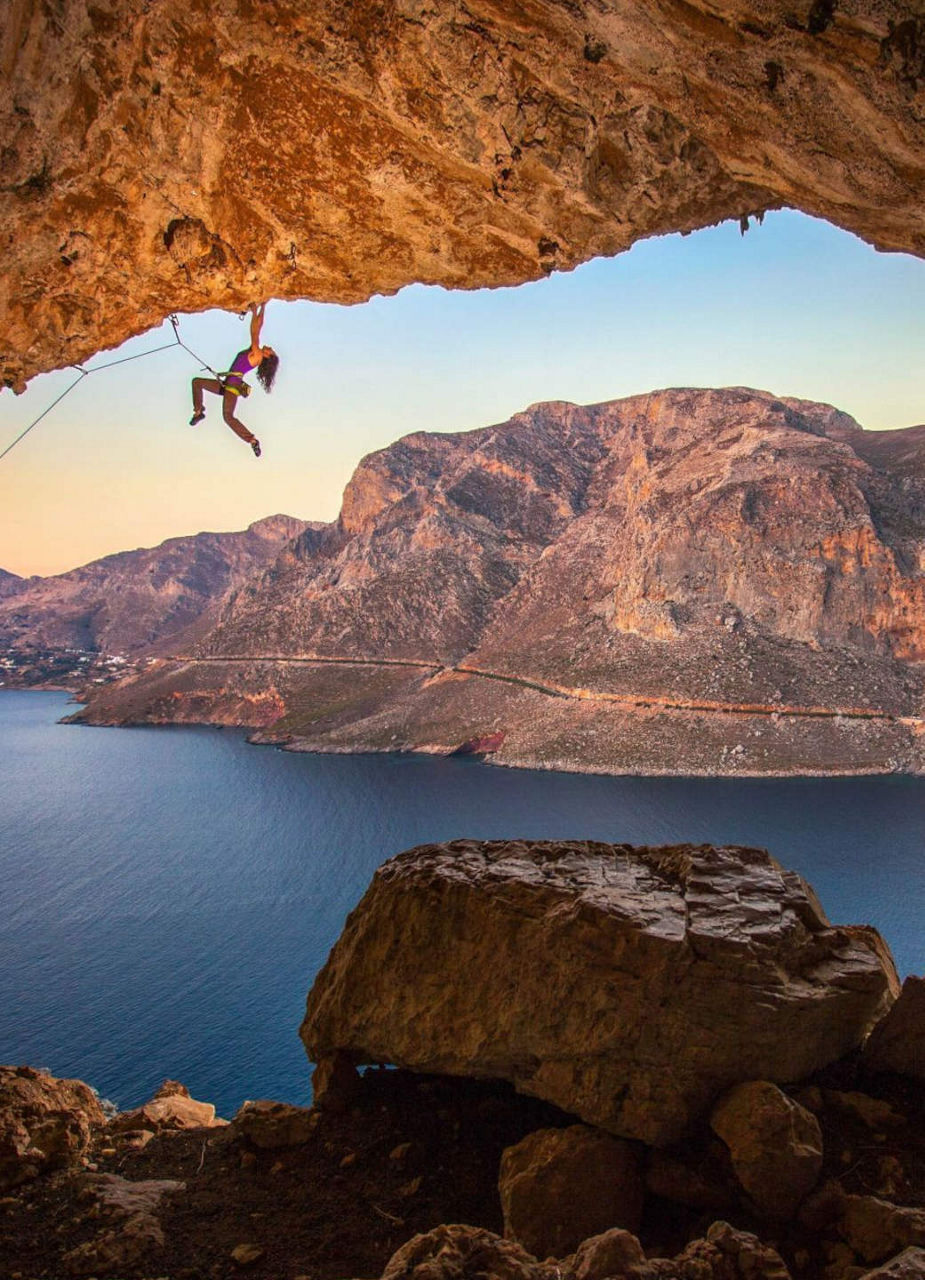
412, 1152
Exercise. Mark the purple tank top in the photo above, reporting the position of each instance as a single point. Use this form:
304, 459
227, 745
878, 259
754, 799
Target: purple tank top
242, 364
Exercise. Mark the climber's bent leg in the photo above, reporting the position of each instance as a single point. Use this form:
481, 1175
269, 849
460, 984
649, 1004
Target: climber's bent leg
228, 408
204, 384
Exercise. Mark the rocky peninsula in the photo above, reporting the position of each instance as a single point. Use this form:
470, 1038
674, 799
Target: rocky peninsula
613, 1063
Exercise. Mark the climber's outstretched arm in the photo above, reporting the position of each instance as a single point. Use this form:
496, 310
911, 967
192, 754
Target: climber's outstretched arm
257, 313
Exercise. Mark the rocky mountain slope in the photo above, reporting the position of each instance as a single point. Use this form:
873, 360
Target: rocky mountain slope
127, 603
686, 580
9, 582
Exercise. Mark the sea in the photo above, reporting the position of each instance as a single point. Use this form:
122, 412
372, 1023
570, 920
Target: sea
167, 895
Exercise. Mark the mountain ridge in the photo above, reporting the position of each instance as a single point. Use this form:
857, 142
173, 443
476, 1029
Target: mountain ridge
128, 601
581, 574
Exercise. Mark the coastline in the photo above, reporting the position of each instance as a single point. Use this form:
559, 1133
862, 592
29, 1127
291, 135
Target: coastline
506, 755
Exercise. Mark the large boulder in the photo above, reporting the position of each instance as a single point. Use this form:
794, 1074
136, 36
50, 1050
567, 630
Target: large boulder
630, 986
898, 1042
45, 1123
558, 1187
774, 1143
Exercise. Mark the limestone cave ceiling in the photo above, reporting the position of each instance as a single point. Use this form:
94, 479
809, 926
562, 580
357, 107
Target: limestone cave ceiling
174, 155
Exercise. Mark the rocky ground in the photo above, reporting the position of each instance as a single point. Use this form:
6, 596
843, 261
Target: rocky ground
411, 1175
411, 1153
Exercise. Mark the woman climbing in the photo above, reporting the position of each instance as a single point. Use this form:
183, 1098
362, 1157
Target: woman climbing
230, 385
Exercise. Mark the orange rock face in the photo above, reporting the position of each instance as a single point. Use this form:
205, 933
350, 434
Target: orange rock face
180, 156
45, 1123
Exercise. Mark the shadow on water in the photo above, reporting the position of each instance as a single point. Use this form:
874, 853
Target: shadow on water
168, 895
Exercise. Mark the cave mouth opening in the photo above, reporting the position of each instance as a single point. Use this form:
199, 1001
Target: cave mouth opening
794, 306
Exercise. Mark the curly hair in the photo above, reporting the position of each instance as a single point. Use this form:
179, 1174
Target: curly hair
266, 371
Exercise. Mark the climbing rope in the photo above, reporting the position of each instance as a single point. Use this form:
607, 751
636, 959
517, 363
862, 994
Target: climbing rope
85, 373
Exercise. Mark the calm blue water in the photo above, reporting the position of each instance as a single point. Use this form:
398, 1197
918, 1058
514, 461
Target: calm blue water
167, 895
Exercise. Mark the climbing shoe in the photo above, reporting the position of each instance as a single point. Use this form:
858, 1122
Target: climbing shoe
255, 445
197, 417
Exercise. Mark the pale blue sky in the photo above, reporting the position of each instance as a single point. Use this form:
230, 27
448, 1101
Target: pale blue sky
795, 307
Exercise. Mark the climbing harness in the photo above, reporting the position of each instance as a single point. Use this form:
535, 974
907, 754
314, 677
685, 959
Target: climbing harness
85, 373
237, 389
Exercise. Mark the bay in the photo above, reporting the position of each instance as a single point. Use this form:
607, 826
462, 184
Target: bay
167, 895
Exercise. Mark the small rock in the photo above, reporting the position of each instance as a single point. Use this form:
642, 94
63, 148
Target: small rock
245, 1255
612, 1253
870, 1111
171, 1108
908, 1265
172, 1089
136, 1139
751, 1259
725, 1254
277, 1167
349, 1159
118, 1249
270, 1125
558, 1187
248, 1160
820, 1211
775, 1145
121, 1196
399, 1152
335, 1082
877, 1229
455, 1252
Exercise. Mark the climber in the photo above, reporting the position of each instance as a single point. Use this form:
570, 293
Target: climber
230, 385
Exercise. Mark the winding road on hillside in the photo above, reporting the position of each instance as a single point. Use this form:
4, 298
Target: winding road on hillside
629, 701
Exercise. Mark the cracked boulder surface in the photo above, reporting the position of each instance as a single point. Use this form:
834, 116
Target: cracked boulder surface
181, 156
628, 986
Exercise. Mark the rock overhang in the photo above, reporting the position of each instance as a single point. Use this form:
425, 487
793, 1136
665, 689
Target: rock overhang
628, 986
184, 156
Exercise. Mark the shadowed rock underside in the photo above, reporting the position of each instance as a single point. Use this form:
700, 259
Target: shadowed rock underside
181, 156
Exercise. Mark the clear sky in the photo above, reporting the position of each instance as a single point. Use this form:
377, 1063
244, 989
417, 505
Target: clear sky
795, 307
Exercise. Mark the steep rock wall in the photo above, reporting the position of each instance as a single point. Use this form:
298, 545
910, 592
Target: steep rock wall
179, 156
